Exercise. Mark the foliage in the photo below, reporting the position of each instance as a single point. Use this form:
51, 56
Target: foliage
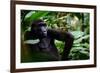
76, 23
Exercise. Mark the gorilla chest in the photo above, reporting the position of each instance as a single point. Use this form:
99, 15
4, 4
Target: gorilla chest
45, 48
44, 45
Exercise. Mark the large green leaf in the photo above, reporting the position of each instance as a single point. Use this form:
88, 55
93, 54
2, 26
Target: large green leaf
34, 16
77, 34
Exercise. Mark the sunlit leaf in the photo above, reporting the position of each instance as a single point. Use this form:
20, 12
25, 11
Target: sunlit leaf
80, 39
77, 34
34, 15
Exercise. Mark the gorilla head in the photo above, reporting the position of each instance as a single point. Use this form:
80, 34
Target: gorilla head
39, 28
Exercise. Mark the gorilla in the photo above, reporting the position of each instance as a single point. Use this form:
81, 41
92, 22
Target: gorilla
40, 42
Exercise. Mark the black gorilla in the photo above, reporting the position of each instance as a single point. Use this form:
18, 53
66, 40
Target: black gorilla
44, 42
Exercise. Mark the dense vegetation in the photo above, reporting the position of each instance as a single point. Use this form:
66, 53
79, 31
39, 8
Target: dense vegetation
76, 23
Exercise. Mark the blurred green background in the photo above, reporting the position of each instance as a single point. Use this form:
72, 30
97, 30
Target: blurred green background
76, 23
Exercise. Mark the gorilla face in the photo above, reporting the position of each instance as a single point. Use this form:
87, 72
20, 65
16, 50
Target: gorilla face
43, 31
40, 29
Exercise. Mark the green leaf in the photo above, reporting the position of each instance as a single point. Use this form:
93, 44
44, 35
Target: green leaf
80, 39
34, 15
76, 49
77, 34
85, 45
76, 45
59, 45
84, 55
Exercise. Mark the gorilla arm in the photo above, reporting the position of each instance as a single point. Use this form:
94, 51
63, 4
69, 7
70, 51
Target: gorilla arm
67, 37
